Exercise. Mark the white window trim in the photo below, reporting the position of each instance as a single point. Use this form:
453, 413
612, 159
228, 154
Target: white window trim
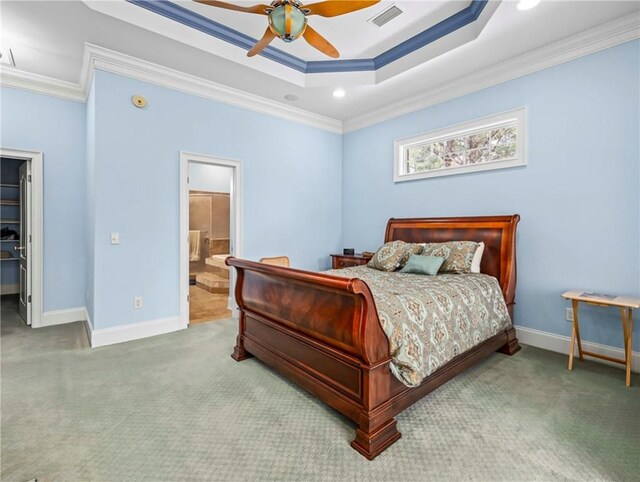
519, 115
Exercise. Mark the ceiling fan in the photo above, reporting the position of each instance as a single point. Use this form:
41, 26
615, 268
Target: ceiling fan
288, 20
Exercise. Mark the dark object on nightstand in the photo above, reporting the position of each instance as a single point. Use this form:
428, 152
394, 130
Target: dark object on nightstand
347, 260
350, 251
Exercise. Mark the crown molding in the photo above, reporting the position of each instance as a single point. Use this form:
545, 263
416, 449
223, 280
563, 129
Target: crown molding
96, 57
604, 36
20, 79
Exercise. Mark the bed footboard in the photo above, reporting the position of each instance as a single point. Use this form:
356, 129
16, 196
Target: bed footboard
323, 333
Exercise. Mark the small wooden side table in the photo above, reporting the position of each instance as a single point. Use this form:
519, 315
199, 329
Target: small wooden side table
626, 306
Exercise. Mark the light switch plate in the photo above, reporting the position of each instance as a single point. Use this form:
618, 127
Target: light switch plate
137, 302
115, 238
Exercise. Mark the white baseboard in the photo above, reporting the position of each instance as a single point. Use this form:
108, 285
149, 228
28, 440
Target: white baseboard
10, 289
134, 331
560, 344
60, 317
88, 325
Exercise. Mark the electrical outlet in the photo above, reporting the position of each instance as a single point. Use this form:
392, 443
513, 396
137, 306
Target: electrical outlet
137, 302
115, 238
569, 314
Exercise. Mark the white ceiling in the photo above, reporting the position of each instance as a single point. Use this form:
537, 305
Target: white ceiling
47, 38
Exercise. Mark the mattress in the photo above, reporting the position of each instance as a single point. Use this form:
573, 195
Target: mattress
429, 320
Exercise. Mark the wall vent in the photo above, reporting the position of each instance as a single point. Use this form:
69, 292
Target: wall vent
386, 16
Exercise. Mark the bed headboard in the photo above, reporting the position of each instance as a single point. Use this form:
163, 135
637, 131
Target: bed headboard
497, 232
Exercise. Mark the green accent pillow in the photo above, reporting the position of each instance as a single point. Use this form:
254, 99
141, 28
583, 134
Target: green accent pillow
418, 264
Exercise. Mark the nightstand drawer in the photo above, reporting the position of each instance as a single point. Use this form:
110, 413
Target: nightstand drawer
339, 261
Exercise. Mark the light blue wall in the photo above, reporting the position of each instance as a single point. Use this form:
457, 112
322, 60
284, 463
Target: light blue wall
56, 127
292, 184
578, 197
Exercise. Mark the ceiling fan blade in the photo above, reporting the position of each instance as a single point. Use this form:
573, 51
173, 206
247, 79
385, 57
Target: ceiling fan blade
262, 43
337, 7
260, 9
316, 40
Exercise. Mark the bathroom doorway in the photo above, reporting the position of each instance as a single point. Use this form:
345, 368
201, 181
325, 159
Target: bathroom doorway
209, 225
209, 237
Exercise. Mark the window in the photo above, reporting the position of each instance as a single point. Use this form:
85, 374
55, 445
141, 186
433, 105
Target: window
493, 142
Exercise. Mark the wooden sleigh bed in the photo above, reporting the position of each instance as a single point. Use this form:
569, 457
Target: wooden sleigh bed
323, 332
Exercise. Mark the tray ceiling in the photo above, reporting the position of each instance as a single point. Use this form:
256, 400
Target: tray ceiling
369, 54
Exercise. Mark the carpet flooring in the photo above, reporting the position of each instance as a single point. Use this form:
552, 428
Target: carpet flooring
177, 407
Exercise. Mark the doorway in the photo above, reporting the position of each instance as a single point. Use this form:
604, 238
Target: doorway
21, 234
209, 239
210, 232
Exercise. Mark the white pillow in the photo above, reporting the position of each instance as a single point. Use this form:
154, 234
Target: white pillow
477, 258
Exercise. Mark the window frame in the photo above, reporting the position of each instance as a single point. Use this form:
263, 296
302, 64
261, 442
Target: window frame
458, 130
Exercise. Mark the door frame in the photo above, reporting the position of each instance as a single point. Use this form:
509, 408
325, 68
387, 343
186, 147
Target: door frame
235, 248
37, 229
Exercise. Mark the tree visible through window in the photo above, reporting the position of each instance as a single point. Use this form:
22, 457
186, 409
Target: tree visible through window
484, 144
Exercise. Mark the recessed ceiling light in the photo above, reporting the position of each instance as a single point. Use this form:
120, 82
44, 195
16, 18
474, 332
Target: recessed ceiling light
6, 56
527, 4
291, 97
339, 93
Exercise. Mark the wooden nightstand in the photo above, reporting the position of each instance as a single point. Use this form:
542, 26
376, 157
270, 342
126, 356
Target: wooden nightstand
626, 306
347, 260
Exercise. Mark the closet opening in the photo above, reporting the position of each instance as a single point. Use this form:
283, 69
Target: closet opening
20, 236
211, 213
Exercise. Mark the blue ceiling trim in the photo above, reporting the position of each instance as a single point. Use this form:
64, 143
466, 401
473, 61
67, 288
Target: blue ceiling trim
354, 65
206, 25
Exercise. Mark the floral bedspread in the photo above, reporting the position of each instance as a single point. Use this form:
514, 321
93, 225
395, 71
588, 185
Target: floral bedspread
431, 319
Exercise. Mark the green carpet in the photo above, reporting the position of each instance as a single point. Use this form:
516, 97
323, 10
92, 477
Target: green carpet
177, 407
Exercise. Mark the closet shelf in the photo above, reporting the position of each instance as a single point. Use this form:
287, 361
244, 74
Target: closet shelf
9, 203
16, 186
9, 221
9, 259
9, 240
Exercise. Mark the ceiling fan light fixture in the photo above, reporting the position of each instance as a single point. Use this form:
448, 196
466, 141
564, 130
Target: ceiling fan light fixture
287, 21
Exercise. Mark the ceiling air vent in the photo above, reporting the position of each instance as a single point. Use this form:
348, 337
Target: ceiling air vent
386, 16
